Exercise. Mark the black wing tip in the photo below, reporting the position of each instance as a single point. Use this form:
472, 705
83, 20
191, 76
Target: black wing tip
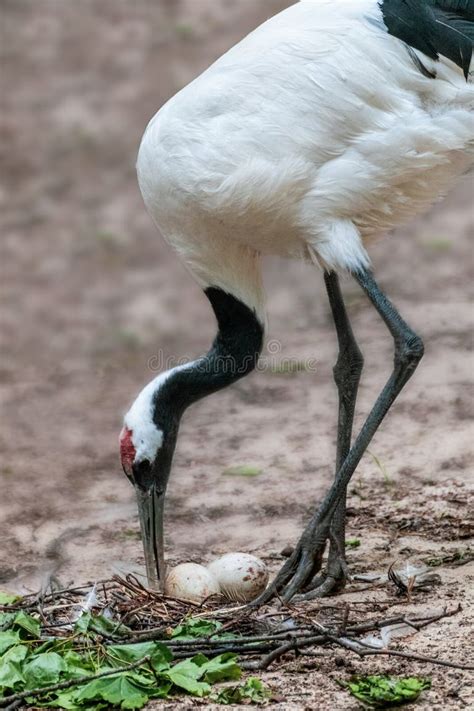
434, 27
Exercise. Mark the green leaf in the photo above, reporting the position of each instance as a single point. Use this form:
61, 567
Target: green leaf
162, 691
10, 667
196, 628
99, 624
188, 667
8, 639
188, 683
77, 665
197, 674
243, 470
67, 700
384, 691
221, 668
353, 543
64, 700
82, 623
27, 624
121, 654
43, 669
52, 645
253, 690
15, 654
7, 598
6, 619
102, 625
186, 675
122, 690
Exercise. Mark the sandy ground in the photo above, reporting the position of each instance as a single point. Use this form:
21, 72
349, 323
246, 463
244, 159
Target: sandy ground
93, 301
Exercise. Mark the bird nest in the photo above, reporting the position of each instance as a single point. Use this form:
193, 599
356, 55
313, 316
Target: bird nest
122, 614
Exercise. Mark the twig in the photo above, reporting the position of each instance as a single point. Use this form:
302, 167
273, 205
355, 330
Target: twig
417, 622
260, 648
6, 700
23, 603
14, 705
294, 645
207, 642
345, 619
158, 633
297, 644
364, 652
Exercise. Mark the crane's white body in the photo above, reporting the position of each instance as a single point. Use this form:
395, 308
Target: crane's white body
312, 135
315, 133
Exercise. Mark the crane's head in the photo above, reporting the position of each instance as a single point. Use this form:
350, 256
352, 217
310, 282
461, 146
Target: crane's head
147, 443
150, 431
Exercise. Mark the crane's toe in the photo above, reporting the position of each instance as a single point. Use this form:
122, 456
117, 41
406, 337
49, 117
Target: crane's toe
331, 581
298, 579
300, 568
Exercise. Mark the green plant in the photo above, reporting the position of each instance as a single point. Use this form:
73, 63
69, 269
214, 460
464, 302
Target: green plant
196, 628
185, 30
8, 598
385, 691
243, 470
253, 690
352, 543
383, 469
83, 671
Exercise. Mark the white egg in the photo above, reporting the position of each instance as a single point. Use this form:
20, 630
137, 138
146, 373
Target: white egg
190, 581
242, 577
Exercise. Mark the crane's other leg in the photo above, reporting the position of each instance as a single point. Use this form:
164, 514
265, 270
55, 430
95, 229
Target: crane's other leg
306, 559
347, 372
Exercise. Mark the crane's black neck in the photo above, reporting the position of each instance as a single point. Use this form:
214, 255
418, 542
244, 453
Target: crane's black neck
233, 354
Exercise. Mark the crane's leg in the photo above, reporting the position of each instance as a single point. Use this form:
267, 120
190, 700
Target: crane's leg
305, 562
347, 372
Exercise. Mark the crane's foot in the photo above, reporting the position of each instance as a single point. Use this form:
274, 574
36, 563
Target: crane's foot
331, 581
301, 567
298, 579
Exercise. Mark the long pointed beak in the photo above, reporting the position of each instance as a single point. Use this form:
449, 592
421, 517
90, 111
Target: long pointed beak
151, 511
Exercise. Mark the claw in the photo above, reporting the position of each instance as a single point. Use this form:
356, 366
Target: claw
300, 568
300, 578
333, 580
274, 588
327, 586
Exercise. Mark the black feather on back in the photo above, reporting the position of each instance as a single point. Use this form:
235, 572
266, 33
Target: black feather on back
434, 27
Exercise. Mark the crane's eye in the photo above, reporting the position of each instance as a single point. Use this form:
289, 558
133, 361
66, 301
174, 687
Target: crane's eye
127, 451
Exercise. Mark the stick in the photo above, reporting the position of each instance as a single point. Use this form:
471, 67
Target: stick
295, 645
354, 647
246, 642
262, 647
302, 632
22, 604
417, 622
15, 705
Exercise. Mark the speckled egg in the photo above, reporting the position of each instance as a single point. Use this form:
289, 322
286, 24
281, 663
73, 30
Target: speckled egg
241, 577
190, 581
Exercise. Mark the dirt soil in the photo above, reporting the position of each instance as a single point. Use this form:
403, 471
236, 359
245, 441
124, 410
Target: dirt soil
93, 302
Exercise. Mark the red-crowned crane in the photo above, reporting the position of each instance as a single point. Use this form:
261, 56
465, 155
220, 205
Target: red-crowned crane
333, 122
